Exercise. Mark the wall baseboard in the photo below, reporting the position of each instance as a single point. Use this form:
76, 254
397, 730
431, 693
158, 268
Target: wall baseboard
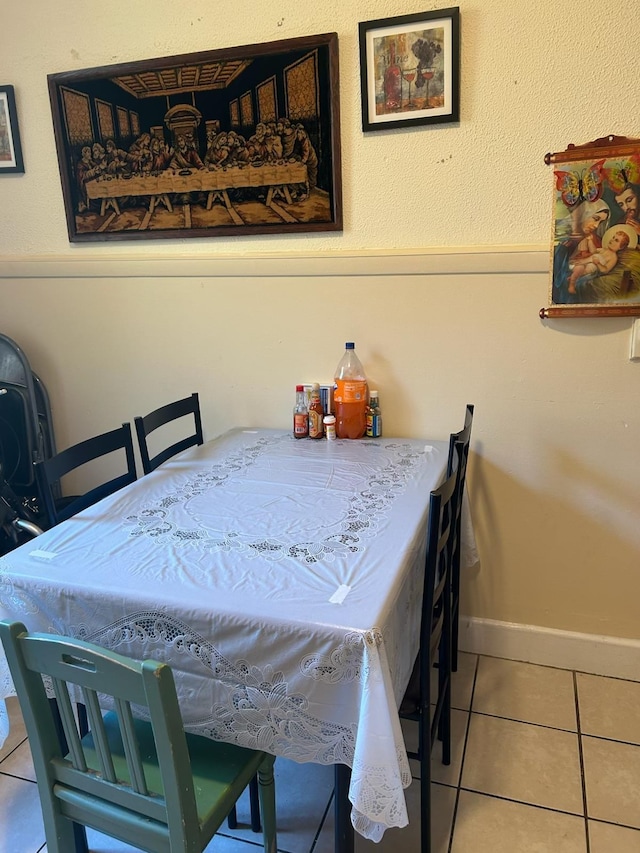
616, 657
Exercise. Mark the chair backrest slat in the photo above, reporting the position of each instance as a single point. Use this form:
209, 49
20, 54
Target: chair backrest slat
96, 725
131, 751
68, 720
50, 471
164, 415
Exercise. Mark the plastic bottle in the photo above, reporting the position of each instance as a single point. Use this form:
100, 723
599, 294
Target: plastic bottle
350, 395
316, 413
374, 416
300, 415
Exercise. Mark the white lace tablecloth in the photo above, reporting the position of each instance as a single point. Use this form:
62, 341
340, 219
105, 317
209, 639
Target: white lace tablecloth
281, 579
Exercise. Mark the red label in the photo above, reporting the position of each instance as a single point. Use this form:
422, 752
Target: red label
301, 424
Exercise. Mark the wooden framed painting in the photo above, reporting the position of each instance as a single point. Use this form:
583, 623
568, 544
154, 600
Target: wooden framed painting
239, 141
595, 255
410, 70
10, 149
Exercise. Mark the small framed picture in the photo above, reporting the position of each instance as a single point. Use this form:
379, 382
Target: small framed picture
410, 70
10, 150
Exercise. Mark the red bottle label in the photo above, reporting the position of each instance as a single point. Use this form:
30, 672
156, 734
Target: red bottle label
301, 425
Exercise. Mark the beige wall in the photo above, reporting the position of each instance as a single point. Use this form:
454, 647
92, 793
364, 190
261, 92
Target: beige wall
115, 329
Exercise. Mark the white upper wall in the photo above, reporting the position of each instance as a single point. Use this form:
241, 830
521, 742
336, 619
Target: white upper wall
534, 78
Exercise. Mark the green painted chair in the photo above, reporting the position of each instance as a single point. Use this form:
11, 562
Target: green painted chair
139, 779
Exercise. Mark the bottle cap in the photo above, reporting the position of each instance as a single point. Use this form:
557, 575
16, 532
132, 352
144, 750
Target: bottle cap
349, 345
299, 387
373, 393
315, 386
329, 419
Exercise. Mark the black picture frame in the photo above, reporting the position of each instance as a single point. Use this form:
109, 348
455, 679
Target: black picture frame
187, 144
410, 70
10, 149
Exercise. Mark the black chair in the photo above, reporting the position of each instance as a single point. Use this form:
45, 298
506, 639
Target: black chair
435, 650
458, 457
50, 471
144, 427
164, 415
141, 780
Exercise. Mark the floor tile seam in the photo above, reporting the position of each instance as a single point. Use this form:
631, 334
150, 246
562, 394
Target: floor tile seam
560, 668
614, 823
520, 802
20, 778
532, 663
454, 816
601, 737
259, 844
611, 677
17, 746
322, 822
525, 722
583, 781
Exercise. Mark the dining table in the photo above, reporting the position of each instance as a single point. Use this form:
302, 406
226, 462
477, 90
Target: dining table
282, 581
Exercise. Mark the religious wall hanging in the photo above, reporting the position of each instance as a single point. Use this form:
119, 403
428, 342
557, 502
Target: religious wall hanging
239, 141
595, 256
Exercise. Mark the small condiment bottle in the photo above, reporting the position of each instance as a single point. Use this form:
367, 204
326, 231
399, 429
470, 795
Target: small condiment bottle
316, 412
374, 416
300, 415
330, 427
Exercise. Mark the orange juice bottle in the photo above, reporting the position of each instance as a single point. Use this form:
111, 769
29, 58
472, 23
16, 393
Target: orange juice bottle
350, 395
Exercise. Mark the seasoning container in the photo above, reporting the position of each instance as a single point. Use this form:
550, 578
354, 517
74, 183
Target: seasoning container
300, 415
316, 412
330, 427
374, 416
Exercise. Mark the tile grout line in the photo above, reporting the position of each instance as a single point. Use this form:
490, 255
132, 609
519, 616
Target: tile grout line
581, 759
464, 750
322, 822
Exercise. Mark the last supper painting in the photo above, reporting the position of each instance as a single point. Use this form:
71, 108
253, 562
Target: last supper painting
234, 141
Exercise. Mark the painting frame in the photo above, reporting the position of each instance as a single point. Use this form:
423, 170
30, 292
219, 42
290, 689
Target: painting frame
188, 172
595, 240
391, 63
11, 161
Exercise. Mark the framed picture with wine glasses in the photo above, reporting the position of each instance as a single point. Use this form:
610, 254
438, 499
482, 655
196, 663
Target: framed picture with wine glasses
410, 70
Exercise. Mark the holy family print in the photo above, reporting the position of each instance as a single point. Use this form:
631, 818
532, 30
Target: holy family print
596, 254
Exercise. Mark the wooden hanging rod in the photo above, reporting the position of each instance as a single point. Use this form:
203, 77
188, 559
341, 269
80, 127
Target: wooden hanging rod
606, 146
590, 311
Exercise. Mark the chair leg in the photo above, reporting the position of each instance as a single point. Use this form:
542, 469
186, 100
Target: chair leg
78, 831
344, 840
232, 818
425, 802
254, 799
267, 794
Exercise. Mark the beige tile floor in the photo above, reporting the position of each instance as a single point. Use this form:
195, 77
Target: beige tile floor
544, 761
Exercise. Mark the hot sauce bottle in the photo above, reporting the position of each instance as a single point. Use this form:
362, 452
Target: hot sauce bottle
316, 413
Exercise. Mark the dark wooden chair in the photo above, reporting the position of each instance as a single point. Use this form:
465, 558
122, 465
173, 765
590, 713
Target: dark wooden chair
142, 781
458, 457
160, 417
435, 650
144, 427
51, 471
